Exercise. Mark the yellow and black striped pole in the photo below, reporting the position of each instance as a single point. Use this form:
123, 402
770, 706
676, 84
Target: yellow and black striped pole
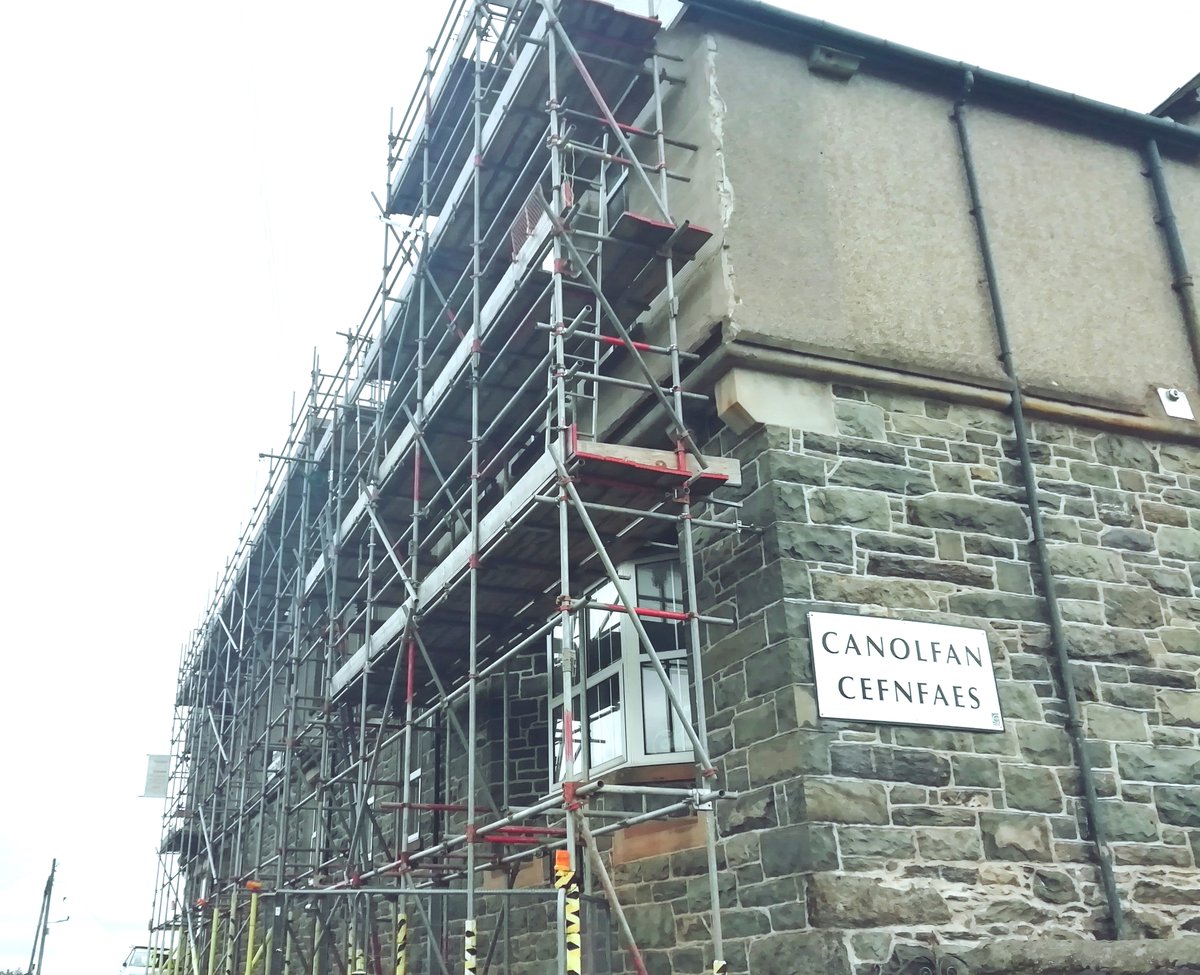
212, 940
252, 928
470, 950
231, 934
318, 935
358, 958
567, 878
401, 944
720, 966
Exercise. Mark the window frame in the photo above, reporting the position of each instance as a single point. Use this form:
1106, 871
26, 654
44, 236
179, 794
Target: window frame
632, 670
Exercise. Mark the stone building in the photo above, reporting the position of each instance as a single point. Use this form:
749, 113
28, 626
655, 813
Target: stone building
904, 243
937, 338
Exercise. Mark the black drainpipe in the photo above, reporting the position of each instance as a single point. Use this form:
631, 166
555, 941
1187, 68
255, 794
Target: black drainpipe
1040, 548
1181, 278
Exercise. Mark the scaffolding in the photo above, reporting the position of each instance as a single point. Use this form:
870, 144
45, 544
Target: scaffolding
367, 750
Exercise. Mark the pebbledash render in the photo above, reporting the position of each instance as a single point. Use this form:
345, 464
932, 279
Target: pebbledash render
912, 684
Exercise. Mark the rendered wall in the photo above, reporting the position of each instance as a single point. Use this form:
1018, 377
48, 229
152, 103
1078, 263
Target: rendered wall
845, 228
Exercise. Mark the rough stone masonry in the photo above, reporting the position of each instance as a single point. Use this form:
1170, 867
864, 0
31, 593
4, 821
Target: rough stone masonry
851, 839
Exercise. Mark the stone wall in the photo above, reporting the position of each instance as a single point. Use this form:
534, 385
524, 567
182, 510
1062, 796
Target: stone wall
849, 839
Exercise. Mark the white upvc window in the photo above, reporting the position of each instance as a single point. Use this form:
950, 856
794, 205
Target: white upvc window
622, 715
414, 820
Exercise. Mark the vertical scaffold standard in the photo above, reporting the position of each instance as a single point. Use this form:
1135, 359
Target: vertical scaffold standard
463, 621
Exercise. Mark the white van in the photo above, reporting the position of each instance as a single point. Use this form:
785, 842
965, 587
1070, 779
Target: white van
144, 961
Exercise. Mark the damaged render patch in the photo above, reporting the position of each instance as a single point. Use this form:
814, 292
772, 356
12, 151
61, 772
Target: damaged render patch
717, 110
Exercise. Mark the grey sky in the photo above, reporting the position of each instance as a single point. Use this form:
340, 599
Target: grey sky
186, 214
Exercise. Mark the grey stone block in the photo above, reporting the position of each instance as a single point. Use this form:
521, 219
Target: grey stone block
1126, 606
1115, 724
789, 916
1119, 451
750, 811
888, 478
784, 465
932, 816
1180, 457
1179, 805
891, 764
1086, 562
849, 507
1127, 822
958, 573
798, 849
756, 724
975, 770
1128, 539
1164, 514
845, 801
815, 543
1170, 582
1054, 886
788, 755
1107, 644
745, 923
1032, 787
1012, 836
863, 902
861, 841
896, 594
1094, 475
653, 925
1147, 763
793, 952
968, 514
1179, 543
859, 420
998, 605
949, 844
1180, 707
778, 891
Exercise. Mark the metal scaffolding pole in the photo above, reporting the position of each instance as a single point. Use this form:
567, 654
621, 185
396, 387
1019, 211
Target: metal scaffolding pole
444, 504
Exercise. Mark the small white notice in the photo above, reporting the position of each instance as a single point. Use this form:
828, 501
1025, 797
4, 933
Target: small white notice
158, 769
897, 672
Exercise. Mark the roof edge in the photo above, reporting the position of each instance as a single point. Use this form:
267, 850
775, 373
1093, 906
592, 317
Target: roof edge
935, 68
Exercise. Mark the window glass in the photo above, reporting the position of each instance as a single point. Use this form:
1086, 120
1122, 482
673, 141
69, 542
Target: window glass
658, 586
666, 635
553, 662
661, 728
622, 713
604, 631
606, 722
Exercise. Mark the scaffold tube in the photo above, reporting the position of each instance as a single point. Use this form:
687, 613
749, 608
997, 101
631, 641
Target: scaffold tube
401, 944
470, 947
214, 929
251, 932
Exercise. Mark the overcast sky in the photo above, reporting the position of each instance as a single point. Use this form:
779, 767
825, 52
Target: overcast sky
185, 214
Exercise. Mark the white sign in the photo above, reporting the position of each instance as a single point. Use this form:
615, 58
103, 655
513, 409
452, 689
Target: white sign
158, 769
896, 672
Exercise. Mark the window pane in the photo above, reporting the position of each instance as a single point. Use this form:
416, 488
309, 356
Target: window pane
667, 636
658, 586
553, 660
606, 727
660, 725
604, 643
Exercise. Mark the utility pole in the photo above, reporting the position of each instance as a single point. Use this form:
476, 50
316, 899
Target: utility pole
43, 928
